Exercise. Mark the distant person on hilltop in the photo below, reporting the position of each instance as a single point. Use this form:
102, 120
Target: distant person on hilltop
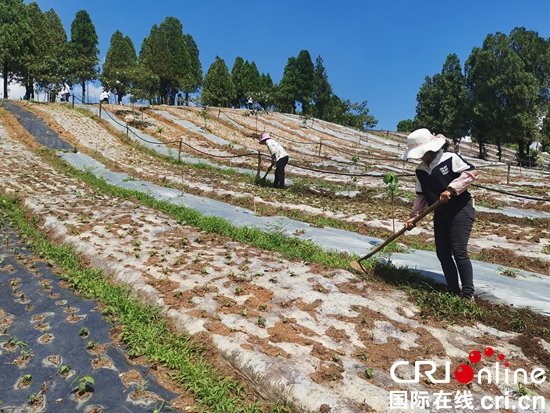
279, 158
104, 96
445, 176
66, 92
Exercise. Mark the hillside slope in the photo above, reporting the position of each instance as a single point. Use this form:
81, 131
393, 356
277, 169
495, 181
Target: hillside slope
314, 335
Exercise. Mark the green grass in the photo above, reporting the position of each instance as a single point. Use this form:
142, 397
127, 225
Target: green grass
445, 305
430, 296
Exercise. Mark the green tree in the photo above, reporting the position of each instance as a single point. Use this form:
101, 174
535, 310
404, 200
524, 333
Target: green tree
336, 110
358, 115
442, 103
544, 135
44, 63
33, 65
193, 79
218, 87
56, 60
252, 79
427, 105
534, 51
406, 125
84, 52
238, 76
154, 57
322, 91
454, 115
296, 86
120, 65
179, 63
143, 86
482, 113
164, 54
15, 35
306, 70
503, 94
346, 113
287, 90
265, 97
246, 79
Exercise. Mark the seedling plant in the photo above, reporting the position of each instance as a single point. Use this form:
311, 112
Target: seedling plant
85, 383
391, 179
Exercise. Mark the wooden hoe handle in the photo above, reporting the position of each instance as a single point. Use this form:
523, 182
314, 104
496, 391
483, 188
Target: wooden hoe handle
400, 232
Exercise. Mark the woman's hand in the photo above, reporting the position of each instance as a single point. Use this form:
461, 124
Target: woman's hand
446, 195
409, 224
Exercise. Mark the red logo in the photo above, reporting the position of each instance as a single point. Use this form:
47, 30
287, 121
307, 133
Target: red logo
464, 373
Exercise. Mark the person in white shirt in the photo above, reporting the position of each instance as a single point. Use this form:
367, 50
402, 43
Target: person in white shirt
104, 96
279, 158
66, 91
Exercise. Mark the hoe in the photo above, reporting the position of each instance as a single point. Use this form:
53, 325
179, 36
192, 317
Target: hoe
265, 176
356, 265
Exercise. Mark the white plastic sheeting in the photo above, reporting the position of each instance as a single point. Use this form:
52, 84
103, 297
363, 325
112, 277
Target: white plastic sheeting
525, 290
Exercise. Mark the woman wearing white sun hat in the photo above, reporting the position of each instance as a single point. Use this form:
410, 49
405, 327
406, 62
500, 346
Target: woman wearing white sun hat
445, 176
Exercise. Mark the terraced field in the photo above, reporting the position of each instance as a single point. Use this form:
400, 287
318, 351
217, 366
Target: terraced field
290, 319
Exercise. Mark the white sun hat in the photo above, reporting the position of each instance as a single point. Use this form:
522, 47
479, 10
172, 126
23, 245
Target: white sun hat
421, 141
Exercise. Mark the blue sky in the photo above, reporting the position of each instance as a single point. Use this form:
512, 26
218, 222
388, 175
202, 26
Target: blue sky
379, 51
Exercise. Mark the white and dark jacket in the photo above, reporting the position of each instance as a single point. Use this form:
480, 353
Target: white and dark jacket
447, 170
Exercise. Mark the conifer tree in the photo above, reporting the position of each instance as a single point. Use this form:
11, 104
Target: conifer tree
503, 95
15, 34
218, 87
246, 79
193, 78
305, 69
296, 86
84, 52
442, 102
287, 90
120, 65
33, 66
164, 54
322, 90
45, 60
56, 60
238, 79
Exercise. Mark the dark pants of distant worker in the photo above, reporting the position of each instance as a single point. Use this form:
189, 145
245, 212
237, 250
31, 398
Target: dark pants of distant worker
279, 180
451, 243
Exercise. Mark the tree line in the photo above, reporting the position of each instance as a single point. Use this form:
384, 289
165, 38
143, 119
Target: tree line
501, 97
36, 52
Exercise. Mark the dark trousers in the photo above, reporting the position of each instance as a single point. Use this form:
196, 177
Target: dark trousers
279, 180
451, 242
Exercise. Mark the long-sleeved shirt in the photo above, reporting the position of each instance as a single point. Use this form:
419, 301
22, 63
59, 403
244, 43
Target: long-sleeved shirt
276, 149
